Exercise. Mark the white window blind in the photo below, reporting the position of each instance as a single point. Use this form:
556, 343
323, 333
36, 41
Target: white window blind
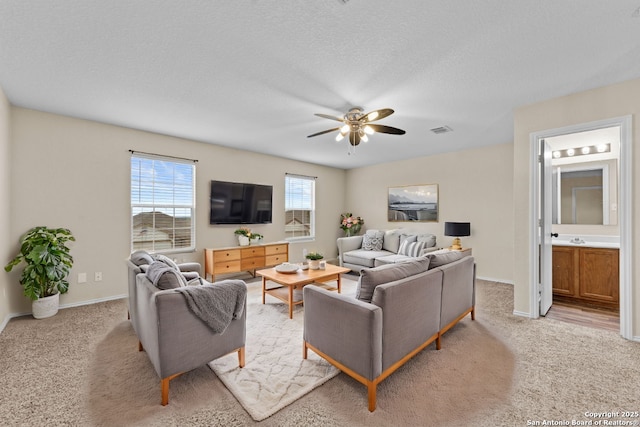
299, 207
162, 203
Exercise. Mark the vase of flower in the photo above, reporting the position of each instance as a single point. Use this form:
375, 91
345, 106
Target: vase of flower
351, 225
243, 240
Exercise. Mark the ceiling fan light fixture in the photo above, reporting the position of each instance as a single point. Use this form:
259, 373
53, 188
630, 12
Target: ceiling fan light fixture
345, 129
339, 137
372, 116
369, 130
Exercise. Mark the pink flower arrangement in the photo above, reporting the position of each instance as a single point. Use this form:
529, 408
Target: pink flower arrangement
351, 224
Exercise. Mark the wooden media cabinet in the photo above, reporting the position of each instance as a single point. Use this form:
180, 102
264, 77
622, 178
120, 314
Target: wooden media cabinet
244, 258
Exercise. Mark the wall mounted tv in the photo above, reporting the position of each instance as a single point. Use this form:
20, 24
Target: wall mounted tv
240, 203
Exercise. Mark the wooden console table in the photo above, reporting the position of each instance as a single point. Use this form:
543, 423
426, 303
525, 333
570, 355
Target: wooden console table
244, 258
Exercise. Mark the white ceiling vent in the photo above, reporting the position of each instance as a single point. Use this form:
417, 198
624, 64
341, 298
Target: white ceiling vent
441, 129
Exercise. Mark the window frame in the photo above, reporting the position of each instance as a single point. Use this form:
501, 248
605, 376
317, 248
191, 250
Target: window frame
173, 161
312, 209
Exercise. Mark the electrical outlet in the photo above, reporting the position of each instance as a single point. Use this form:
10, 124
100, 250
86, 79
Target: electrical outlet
82, 277
98, 276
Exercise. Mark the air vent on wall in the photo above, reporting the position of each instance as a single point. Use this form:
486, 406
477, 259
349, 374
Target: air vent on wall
441, 129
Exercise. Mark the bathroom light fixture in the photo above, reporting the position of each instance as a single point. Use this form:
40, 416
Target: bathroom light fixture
582, 151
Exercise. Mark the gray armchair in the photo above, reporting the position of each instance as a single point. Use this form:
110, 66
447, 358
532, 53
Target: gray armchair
174, 338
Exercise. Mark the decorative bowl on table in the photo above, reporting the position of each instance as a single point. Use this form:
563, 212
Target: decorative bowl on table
287, 268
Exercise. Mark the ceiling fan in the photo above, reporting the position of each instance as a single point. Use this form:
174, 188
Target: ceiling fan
358, 125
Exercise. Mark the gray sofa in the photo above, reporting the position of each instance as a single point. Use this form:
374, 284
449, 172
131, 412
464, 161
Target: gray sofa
412, 305
175, 339
381, 247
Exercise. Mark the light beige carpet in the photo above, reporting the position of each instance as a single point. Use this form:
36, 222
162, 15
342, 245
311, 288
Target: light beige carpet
82, 368
275, 374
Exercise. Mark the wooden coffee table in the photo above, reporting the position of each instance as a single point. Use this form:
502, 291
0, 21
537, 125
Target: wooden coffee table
290, 281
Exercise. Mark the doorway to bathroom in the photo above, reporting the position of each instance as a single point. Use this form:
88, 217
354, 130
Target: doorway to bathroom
582, 220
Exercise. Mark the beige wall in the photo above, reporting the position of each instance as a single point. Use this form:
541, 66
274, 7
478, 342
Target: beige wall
5, 205
75, 173
597, 104
474, 185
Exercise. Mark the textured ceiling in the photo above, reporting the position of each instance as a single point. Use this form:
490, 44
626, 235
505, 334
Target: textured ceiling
251, 74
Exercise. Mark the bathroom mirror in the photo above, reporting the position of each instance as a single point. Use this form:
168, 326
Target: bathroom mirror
585, 193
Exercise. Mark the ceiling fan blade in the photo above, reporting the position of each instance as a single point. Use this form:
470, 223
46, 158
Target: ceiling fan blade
327, 116
323, 132
385, 112
387, 129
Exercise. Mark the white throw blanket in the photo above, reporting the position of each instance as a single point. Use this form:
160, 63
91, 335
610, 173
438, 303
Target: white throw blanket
216, 304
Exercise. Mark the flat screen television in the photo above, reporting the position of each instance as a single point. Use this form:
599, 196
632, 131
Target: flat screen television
240, 203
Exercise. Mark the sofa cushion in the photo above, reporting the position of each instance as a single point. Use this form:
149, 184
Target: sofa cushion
363, 257
391, 241
372, 240
413, 249
445, 256
429, 239
141, 258
373, 277
392, 259
164, 277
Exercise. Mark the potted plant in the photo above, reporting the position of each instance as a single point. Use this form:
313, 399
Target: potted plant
255, 238
48, 263
243, 234
314, 260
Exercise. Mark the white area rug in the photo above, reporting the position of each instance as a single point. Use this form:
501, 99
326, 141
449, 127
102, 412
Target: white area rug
275, 374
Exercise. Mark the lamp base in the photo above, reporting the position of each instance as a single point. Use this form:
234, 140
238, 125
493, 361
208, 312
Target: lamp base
456, 245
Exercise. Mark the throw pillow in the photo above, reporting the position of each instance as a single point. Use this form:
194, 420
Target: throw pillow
370, 278
166, 260
372, 240
141, 258
391, 241
164, 277
429, 239
441, 258
413, 249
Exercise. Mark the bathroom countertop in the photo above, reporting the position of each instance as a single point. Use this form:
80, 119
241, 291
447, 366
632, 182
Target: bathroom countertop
611, 242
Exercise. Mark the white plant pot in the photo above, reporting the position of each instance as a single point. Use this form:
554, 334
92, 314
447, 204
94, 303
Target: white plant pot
45, 307
314, 264
243, 240
255, 241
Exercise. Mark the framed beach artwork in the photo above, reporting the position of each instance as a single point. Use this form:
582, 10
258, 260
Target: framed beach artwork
416, 203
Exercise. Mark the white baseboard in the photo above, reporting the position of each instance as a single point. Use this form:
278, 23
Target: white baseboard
522, 314
6, 320
491, 279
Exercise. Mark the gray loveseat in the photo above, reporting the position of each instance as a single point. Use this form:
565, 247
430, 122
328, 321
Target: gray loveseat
381, 247
175, 339
411, 305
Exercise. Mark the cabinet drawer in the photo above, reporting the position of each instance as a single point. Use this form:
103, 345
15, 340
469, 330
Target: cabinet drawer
276, 259
222, 256
251, 263
277, 249
252, 252
231, 266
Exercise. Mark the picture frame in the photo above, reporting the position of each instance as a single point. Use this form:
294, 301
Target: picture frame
413, 203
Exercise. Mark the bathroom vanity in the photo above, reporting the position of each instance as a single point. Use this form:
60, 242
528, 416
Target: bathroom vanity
586, 272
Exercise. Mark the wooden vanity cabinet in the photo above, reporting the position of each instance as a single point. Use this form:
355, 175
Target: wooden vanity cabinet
586, 275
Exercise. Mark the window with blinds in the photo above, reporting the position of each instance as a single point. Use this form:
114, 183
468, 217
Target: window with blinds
162, 204
300, 200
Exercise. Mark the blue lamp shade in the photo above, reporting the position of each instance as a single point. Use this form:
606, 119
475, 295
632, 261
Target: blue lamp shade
457, 229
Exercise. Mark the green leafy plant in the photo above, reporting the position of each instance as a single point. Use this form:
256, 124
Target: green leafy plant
48, 262
314, 256
243, 231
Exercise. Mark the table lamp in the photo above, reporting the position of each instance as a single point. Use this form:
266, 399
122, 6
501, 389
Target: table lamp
457, 230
